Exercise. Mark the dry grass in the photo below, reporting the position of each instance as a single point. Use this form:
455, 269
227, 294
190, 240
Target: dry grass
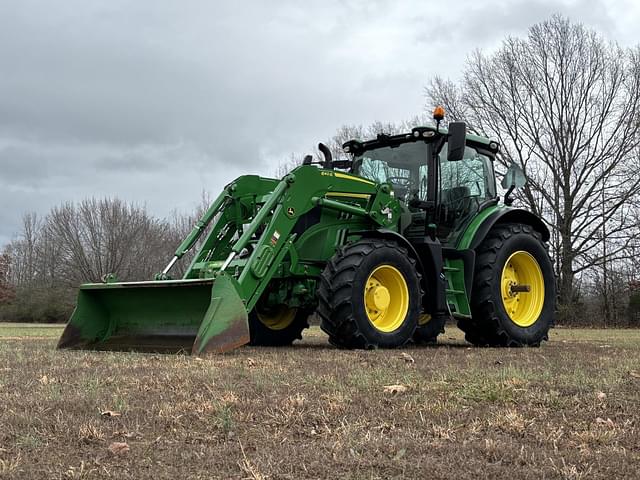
566, 410
22, 330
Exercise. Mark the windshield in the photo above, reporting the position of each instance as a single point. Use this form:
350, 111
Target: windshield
404, 167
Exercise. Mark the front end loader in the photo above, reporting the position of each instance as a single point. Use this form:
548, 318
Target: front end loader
385, 246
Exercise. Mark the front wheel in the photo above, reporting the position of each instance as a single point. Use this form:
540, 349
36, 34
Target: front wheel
370, 295
513, 299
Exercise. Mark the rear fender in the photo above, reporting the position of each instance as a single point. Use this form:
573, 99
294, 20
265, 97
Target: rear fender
475, 234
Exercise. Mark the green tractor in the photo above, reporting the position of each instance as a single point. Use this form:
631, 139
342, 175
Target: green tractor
385, 246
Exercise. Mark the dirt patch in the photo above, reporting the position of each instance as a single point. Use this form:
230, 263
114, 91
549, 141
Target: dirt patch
566, 410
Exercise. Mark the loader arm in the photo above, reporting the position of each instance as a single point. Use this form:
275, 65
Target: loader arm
251, 230
266, 227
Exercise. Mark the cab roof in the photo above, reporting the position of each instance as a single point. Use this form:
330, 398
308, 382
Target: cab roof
426, 133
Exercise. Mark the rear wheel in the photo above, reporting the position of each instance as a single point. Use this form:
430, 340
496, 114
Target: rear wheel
276, 326
370, 296
513, 300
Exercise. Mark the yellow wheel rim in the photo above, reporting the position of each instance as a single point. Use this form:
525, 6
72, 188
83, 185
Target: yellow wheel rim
424, 318
386, 298
522, 288
278, 319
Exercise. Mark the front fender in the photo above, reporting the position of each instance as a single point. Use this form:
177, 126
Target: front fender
395, 236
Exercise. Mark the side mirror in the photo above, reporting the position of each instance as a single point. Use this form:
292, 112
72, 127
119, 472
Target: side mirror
514, 178
457, 141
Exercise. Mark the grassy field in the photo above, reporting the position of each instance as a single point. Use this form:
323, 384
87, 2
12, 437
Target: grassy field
566, 410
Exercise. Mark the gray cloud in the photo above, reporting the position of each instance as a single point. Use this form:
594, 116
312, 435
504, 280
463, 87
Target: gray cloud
155, 101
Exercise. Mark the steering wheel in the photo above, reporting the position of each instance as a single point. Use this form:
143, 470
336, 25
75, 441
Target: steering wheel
401, 181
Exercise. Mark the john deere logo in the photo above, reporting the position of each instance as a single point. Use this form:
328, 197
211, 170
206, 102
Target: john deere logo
291, 211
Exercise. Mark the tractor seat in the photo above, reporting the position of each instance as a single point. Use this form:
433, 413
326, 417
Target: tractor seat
455, 203
454, 195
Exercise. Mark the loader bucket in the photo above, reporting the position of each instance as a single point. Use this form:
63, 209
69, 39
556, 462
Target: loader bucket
192, 316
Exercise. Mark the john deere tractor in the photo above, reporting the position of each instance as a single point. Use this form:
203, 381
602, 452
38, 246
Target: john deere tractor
385, 246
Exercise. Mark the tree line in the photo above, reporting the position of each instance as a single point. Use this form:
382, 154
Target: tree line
42, 267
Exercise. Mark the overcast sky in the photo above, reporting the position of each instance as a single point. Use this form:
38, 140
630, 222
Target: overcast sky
154, 101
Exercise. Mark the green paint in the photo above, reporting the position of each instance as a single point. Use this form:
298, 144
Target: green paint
225, 325
467, 236
144, 315
457, 297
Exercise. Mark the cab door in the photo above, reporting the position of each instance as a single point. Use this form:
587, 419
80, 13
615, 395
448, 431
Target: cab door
465, 186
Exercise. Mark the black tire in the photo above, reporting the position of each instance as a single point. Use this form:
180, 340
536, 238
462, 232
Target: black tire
341, 295
262, 334
490, 324
427, 333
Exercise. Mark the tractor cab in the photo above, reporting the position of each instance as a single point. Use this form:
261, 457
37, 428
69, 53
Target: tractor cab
432, 188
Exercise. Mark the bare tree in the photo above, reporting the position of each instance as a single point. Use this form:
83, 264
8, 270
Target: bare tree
564, 104
97, 237
24, 251
7, 292
35, 292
